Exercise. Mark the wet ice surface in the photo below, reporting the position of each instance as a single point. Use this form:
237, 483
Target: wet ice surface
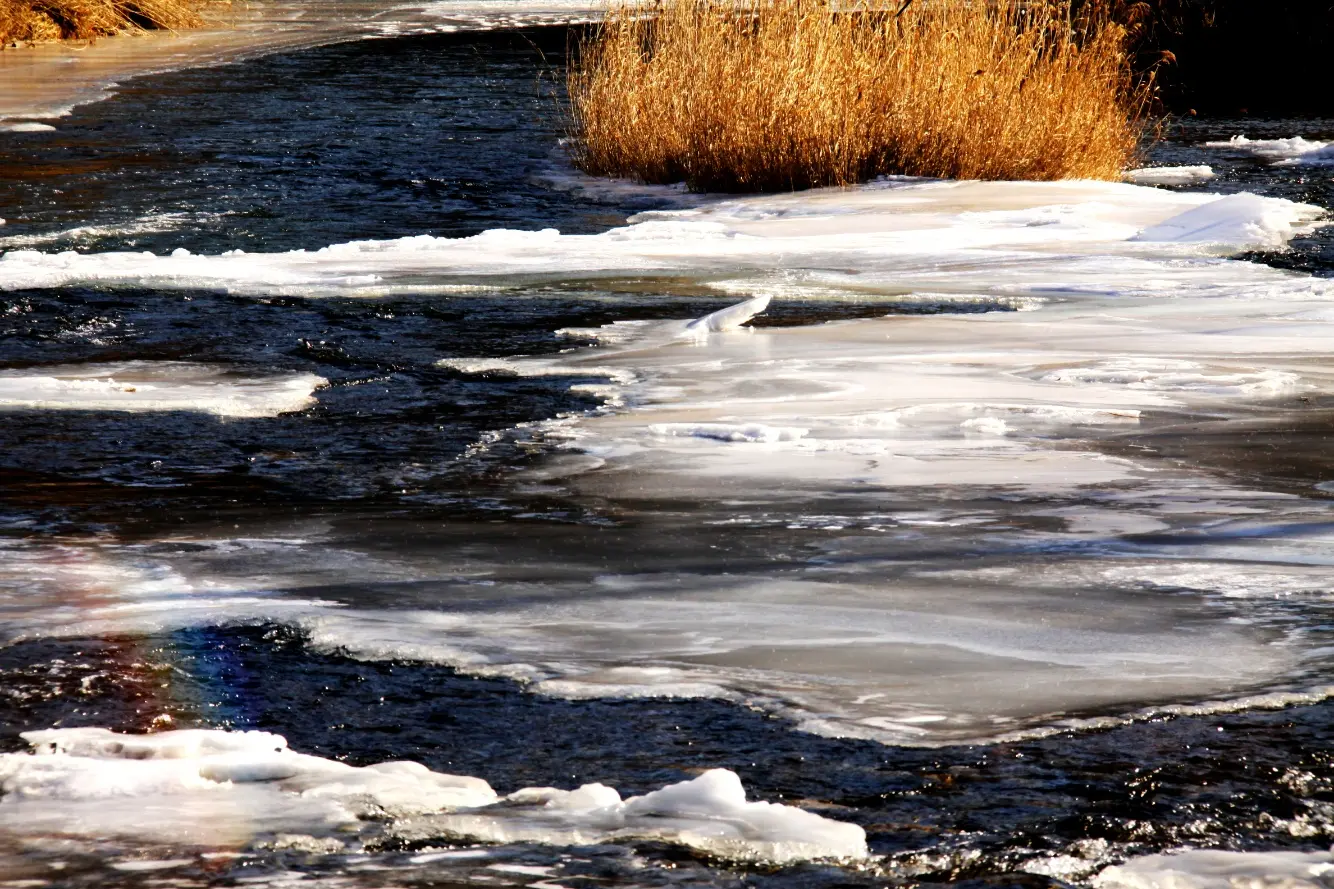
991, 462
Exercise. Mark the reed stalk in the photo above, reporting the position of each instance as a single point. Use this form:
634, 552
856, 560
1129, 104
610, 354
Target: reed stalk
34, 21
764, 95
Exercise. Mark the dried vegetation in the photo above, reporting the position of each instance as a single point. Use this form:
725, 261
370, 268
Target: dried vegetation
34, 21
755, 95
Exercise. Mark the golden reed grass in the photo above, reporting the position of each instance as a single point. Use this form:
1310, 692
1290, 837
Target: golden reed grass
762, 95
34, 21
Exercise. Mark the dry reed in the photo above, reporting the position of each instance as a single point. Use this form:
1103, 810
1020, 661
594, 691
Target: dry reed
758, 95
32, 21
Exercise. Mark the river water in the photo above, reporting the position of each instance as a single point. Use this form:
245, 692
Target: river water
994, 519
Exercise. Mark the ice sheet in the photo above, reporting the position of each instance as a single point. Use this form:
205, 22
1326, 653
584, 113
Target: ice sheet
782, 502
156, 386
902, 236
222, 788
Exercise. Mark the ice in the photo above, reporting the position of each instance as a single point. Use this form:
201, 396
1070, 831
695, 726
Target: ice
1170, 175
157, 386
751, 432
1293, 150
709, 813
182, 785
901, 237
1236, 219
814, 519
1203, 869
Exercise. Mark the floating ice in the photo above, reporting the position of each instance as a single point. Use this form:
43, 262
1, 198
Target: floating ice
1220, 870
240, 784
1293, 150
156, 386
1170, 175
25, 126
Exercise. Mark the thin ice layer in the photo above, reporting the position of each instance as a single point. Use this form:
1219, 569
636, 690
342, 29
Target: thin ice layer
157, 386
221, 788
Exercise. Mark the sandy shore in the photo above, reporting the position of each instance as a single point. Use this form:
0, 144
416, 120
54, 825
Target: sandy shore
43, 82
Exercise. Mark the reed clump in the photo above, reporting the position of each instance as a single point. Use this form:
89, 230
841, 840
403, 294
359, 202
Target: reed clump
35, 21
762, 95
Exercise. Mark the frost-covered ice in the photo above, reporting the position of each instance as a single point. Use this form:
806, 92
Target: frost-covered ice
1238, 219
866, 456
1170, 175
900, 237
1294, 150
218, 788
1204, 869
156, 386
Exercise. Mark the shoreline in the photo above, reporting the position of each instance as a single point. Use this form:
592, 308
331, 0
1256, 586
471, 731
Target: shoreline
43, 82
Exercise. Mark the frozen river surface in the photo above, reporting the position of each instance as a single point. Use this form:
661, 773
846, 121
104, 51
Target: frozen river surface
976, 531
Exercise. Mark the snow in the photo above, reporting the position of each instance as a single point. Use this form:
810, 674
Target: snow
184, 784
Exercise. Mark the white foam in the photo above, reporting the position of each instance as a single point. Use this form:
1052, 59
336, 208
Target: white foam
1204, 869
157, 386
152, 224
1190, 175
1293, 150
216, 780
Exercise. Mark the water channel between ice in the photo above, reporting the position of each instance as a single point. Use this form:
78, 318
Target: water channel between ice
990, 480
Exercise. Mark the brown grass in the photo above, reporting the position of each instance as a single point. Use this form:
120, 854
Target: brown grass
754, 95
32, 21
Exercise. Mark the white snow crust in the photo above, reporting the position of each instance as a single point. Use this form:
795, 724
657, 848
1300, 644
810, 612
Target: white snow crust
156, 386
228, 787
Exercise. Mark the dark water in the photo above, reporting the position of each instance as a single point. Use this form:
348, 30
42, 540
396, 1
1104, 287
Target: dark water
452, 135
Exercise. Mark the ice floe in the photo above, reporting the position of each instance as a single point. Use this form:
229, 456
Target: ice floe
1190, 175
1204, 869
222, 788
156, 386
1293, 150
